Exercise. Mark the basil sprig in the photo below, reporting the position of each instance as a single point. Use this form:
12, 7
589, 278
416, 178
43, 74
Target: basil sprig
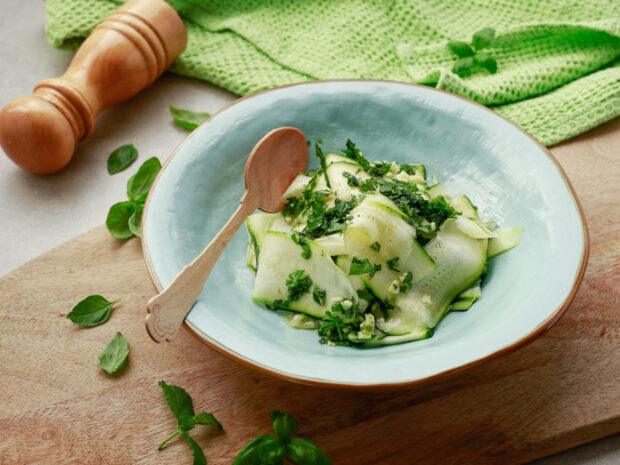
472, 54
92, 311
180, 403
272, 450
125, 218
188, 119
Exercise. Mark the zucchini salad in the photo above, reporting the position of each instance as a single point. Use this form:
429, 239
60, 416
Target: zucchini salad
369, 253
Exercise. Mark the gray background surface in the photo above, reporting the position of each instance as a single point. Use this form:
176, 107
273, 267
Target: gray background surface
41, 212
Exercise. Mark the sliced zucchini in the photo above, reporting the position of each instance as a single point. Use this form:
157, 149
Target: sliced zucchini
338, 181
337, 158
299, 184
460, 262
334, 244
281, 257
463, 205
436, 190
386, 340
257, 224
504, 240
461, 305
473, 228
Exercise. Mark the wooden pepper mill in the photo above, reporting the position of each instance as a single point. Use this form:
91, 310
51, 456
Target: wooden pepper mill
123, 55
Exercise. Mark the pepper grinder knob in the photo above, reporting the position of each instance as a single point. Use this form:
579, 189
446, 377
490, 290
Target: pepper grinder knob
123, 55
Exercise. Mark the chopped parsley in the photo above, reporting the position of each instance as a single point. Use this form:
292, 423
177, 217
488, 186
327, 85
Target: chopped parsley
344, 319
318, 295
376, 246
319, 153
323, 222
406, 283
363, 266
393, 265
303, 243
297, 285
407, 197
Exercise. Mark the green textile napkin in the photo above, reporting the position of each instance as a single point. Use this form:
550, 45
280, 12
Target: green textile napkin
558, 61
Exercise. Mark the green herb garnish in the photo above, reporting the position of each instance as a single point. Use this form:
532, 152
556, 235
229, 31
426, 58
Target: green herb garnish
188, 119
124, 219
318, 295
267, 449
121, 158
115, 354
323, 222
472, 54
297, 285
319, 153
303, 243
92, 311
393, 264
406, 283
180, 403
376, 246
360, 266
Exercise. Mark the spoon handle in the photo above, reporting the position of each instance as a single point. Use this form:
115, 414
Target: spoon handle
166, 311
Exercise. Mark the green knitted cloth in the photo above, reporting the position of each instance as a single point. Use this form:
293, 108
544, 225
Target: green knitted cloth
558, 61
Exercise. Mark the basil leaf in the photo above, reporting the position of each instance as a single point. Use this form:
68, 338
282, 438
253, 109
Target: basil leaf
249, 454
360, 266
271, 451
205, 418
305, 452
188, 119
140, 183
115, 354
92, 311
135, 222
461, 48
199, 456
393, 265
283, 425
180, 403
462, 64
318, 295
117, 221
122, 158
483, 38
484, 59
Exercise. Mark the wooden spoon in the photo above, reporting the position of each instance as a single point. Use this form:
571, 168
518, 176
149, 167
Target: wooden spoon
273, 164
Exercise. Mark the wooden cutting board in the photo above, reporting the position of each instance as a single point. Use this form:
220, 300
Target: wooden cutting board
57, 406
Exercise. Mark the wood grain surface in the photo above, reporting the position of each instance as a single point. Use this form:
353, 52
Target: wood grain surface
58, 407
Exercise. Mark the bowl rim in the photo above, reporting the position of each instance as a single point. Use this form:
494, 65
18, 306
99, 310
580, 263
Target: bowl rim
526, 339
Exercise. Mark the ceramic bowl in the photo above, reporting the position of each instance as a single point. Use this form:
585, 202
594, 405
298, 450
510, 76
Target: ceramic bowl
511, 178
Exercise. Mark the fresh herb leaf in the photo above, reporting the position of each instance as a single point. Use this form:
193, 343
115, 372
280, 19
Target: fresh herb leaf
188, 119
322, 221
484, 59
483, 38
92, 311
305, 452
115, 354
393, 264
360, 266
303, 243
270, 450
461, 49
283, 424
406, 283
121, 158
352, 180
135, 222
462, 64
180, 404
297, 285
319, 153
199, 456
117, 221
249, 454
204, 418
318, 295
140, 183
376, 246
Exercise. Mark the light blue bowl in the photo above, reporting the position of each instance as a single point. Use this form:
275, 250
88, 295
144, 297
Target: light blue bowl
471, 149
